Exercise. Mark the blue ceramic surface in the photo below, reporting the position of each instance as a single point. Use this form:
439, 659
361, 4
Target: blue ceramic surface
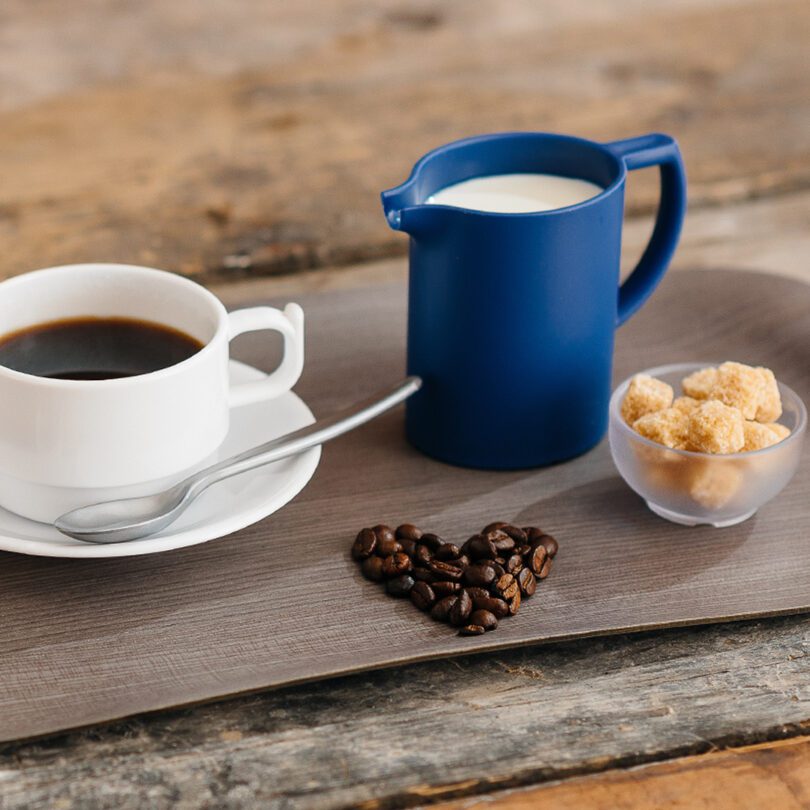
512, 316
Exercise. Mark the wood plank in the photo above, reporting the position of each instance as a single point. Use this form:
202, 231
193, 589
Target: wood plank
256, 140
403, 737
770, 775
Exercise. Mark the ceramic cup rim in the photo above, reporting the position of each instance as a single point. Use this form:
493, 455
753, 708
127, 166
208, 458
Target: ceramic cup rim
624, 429
164, 276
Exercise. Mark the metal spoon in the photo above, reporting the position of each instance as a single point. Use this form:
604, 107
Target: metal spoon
132, 518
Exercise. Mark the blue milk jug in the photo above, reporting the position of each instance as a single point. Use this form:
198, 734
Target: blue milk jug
511, 316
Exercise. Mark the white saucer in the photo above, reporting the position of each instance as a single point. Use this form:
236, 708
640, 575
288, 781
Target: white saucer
224, 508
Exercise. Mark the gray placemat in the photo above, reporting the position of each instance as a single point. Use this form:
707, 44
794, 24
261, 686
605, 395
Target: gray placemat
281, 602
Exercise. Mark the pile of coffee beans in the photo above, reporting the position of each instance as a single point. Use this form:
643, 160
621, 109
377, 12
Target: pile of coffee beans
473, 586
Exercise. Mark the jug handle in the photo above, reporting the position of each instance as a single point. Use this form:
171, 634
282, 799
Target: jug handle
655, 149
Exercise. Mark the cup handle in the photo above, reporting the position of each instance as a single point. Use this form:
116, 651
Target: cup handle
659, 150
290, 323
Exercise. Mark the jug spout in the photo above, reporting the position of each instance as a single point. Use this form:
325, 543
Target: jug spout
404, 212
415, 220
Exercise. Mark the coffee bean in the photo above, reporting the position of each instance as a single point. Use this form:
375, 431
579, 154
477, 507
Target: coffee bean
500, 560
461, 610
481, 548
364, 544
534, 537
408, 546
423, 596
505, 546
477, 593
372, 569
527, 582
514, 604
501, 540
516, 533
514, 564
496, 606
422, 555
423, 575
485, 619
407, 531
400, 586
492, 527
546, 569
387, 545
479, 575
445, 571
506, 587
384, 532
432, 541
537, 558
551, 544
472, 630
512, 591
396, 565
498, 569
538, 537
503, 582
462, 561
441, 610
533, 545
445, 588
449, 551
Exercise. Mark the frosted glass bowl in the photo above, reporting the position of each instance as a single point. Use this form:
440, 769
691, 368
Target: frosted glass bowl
704, 488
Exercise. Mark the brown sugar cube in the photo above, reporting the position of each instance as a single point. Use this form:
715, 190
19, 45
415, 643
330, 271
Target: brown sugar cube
685, 404
645, 395
665, 480
780, 430
668, 427
739, 386
770, 403
699, 383
654, 459
758, 436
715, 428
662, 468
656, 456
713, 484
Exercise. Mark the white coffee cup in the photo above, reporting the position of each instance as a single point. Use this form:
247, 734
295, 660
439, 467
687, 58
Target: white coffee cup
67, 443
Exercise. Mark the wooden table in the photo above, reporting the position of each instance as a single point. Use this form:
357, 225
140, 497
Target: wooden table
240, 141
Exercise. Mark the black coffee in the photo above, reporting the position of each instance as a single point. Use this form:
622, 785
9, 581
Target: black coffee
95, 348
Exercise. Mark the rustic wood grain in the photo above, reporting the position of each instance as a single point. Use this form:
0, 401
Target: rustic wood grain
279, 602
255, 138
770, 235
252, 138
412, 735
771, 775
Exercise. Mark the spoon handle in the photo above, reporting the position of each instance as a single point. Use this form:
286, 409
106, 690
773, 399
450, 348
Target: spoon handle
299, 440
